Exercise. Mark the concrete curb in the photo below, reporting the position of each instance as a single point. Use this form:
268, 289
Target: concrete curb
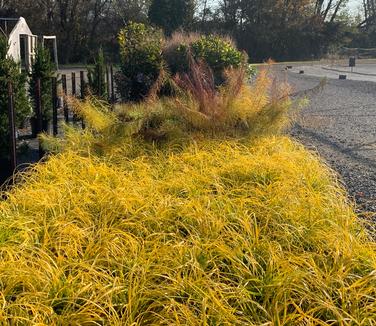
348, 72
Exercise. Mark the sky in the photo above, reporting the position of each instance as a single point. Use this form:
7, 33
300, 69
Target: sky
354, 4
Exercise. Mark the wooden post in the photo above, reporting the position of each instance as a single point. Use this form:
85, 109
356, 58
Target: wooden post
74, 93
38, 111
82, 84
64, 83
83, 91
113, 99
66, 112
73, 84
12, 128
108, 84
99, 75
38, 108
54, 105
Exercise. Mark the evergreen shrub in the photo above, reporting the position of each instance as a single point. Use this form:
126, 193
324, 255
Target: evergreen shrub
141, 60
97, 76
145, 55
42, 69
10, 71
217, 52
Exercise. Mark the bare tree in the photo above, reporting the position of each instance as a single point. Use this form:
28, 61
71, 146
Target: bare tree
369, 7
329, 9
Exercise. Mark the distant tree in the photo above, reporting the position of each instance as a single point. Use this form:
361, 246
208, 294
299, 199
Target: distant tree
7, 11
329, 10
80, 25
171, 14
369, 14
282, 29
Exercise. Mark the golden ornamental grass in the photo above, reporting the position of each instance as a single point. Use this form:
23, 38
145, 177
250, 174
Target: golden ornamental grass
118, 230
220, 233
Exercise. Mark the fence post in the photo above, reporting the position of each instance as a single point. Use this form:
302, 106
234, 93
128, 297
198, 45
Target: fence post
82, 84
54, 105
38, 110
12, 127
73, 84
83, 91
108, 84
66, 112
112, 84
99, 75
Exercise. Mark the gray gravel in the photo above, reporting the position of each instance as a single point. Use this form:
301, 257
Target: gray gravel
340, 123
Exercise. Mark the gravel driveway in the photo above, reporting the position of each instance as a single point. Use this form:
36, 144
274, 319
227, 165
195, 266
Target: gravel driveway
340, 123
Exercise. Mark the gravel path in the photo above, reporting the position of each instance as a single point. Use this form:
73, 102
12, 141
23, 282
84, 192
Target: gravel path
340, 123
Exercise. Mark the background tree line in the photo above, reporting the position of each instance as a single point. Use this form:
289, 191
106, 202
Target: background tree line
281, 29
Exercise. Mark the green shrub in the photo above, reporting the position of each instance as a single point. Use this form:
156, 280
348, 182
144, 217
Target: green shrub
97, 76
42, 69
217, 52
10, 70
144, 56
141, 60
175, 51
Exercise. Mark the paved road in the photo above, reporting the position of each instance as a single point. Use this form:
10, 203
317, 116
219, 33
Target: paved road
363, 72
340, 123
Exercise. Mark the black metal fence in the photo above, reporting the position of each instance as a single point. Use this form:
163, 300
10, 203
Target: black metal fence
62, 86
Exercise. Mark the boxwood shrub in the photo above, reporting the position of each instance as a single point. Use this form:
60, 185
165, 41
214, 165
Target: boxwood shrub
217, 52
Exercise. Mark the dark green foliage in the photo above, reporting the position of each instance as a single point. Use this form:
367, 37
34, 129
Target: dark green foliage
141, 60
10, 71
364, 38
44, 70
218, 53
171, 15
97, 76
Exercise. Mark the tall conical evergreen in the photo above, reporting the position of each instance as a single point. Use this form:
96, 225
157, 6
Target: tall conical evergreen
10, 71
97, 76
43, 69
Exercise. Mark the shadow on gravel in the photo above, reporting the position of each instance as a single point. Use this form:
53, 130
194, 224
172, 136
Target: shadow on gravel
335, 146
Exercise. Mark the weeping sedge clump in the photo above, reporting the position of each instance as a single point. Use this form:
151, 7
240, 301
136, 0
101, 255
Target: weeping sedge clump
149, 218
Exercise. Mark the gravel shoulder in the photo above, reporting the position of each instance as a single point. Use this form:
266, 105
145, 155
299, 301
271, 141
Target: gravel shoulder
340, 124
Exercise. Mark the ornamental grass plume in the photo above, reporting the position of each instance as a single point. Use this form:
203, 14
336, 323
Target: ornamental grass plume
237, 106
